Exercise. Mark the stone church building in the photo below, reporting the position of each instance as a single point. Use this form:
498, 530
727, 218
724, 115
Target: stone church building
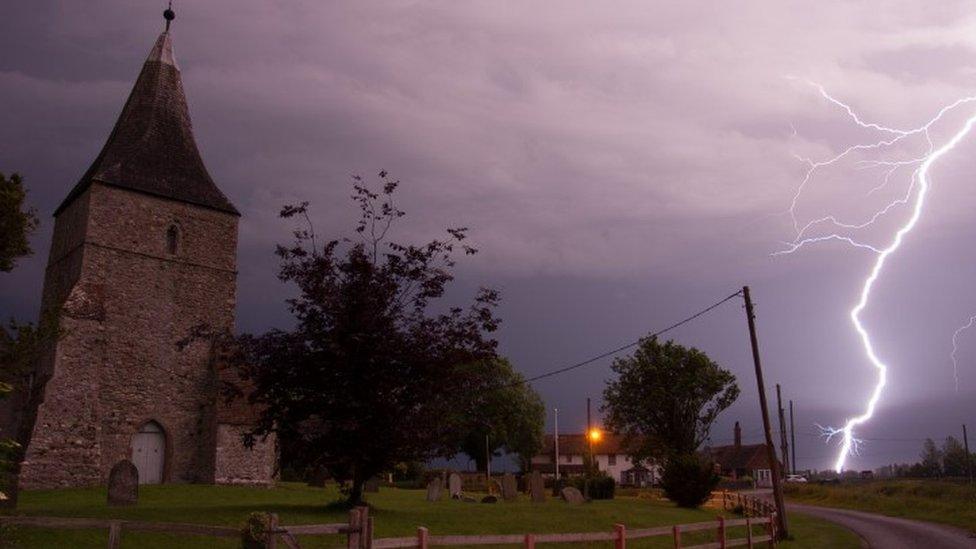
144, 250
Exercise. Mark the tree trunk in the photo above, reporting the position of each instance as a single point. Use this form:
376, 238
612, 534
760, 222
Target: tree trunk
356, 492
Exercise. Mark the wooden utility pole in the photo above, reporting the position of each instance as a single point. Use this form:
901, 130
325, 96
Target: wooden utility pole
770, 449
969, 457
589, 446
555, 440
792, 439
783, 444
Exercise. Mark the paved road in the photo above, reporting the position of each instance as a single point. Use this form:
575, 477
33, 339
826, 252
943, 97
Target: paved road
883, 532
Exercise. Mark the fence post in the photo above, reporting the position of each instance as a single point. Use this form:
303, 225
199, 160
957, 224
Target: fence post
749, 532
272, 541
529, 541
721, 532
114, 535
355, 535
368, 535
677, 536
771, 530
422, 535
621, 541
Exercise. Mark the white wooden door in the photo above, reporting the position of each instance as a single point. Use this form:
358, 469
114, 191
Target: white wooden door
148, 453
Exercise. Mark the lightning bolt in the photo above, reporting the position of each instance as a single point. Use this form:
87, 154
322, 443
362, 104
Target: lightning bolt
955, 349
914, 198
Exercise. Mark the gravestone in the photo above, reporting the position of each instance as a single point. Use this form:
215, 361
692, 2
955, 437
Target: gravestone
123, 484
489, 499
454, 485
372, 485
509, 487
494, 487
537, 487
572, 495
468, 499
434, 489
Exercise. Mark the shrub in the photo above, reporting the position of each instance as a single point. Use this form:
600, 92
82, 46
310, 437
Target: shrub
688, 480
253, 531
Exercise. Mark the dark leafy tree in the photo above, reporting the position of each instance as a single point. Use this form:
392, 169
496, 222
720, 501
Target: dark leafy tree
17, 222
666, 397
955, 461
369, 376
506, 412
688, 479
931, 463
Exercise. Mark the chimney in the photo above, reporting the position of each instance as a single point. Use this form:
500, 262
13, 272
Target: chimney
738, 436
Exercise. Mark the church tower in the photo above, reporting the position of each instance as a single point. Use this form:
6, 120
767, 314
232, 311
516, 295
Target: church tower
144, 250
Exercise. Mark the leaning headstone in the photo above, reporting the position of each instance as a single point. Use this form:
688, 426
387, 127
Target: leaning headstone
537, 487
454, 485
123, 484
494, 487
489, 499
509, 487
372, 485
572, 495
434, 489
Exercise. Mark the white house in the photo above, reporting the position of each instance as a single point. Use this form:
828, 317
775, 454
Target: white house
609, 453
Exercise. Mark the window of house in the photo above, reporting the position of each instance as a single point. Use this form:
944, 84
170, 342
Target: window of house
172, 239
612, 459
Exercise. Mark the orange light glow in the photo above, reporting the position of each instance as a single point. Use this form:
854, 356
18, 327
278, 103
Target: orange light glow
595, 435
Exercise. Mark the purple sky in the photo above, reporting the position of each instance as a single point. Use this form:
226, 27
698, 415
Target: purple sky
619, 166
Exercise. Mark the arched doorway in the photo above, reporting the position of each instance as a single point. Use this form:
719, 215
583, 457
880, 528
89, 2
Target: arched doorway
149, 452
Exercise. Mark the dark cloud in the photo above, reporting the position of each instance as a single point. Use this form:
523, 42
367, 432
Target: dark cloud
619, 168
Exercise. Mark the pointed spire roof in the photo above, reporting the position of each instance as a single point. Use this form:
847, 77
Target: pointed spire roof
151, 149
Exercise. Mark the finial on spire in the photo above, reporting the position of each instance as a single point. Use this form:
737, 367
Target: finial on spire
169, 15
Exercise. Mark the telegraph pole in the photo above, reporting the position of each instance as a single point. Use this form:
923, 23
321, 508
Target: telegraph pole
792, 439
770, 449
589, 445
555, 440
783, 445
969, 457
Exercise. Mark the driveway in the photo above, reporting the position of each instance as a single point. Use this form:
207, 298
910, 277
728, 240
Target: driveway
879, 531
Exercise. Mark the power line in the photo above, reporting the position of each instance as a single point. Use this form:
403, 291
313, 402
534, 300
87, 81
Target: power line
631, 344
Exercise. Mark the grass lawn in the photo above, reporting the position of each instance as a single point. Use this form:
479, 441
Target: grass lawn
932, 500
396, 512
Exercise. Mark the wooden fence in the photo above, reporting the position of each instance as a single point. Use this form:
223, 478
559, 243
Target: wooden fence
750, 506
359, 530
618, 536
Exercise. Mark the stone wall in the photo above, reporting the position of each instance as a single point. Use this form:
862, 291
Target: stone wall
127, 302
237, 464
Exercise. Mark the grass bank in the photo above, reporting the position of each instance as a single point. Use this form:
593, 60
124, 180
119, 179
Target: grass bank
931, 500
397, 513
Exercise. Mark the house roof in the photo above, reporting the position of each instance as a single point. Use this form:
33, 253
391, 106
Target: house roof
151, 148
577, 444
745, 456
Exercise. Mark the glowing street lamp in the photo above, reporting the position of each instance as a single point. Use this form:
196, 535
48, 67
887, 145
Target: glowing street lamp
595, 435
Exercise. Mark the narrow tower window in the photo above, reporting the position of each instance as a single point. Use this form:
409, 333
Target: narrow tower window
172, 239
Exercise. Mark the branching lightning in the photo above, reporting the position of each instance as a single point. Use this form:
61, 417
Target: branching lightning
914, 197
955, 349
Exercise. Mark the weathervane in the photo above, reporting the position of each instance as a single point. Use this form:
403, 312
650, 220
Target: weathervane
169, 15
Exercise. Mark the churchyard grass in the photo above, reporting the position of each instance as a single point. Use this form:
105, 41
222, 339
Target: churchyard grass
396, 512
952, 503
